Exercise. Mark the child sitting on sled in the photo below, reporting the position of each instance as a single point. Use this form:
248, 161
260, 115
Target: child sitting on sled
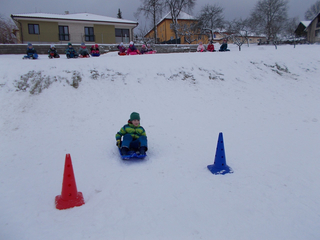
201, 48
94, 50
52, 53
132, 50
210, 47
149, 48
134, 136
122, 49
31, 52
70, 52
83, 51
143, 49
224, 46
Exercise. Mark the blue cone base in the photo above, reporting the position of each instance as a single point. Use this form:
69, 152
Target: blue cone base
219, 170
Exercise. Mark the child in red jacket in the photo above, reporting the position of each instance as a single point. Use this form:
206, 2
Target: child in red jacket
210, 47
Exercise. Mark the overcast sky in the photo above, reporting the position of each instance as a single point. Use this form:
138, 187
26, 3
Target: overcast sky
232, 8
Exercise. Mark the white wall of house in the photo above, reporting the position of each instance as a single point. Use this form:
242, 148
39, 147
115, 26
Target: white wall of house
76, 31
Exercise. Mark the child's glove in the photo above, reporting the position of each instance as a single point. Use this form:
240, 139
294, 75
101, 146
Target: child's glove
119, 143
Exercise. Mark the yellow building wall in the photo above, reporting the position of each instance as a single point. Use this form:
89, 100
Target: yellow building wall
104, 34
165, 33
49, 32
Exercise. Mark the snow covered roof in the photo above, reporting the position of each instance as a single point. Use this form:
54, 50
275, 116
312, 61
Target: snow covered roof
306, 23
74, 17
182, 16
312, 21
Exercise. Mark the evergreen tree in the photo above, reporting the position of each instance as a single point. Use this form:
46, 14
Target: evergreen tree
119, 15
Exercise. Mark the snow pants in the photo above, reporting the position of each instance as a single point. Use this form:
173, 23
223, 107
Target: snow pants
32, 56
135, 144
72, 55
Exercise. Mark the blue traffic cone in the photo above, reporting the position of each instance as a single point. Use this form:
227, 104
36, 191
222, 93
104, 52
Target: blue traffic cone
220, 165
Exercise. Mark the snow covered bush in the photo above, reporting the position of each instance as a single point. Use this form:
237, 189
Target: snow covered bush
36, 81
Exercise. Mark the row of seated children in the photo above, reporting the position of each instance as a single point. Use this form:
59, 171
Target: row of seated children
132, 50
83, 52
210, 48
94, 50
70, 51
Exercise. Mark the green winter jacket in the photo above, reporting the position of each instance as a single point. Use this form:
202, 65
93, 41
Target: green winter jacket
135, 132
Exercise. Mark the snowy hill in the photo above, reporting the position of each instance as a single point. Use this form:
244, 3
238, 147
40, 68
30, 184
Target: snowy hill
265, 101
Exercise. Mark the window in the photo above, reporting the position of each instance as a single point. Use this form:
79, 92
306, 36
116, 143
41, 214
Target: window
118, 32
64, 33
33, 29
122, 35
89, 35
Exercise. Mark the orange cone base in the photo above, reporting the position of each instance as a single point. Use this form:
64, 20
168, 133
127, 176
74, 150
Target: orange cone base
65, 204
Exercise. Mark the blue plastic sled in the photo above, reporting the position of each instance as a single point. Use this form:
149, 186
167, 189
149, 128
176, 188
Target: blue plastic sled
31, 56
132, 155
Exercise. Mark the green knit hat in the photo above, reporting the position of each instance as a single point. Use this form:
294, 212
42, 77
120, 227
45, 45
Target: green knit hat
134, 116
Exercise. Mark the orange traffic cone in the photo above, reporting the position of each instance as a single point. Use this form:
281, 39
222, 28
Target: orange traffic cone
69, 197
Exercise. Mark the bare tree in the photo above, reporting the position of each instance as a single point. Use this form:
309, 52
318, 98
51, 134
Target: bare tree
6, 31
313, 11
290, 29
269, 17
239, 30
188, 31
291, 26
140, 36
175, 7
153, 9
211, 18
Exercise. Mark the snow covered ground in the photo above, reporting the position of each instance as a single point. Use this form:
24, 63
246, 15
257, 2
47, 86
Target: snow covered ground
264, 101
